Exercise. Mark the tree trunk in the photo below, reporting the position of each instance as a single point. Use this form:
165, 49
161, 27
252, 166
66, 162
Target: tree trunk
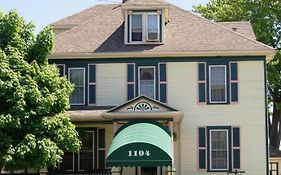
1, 167
275, 127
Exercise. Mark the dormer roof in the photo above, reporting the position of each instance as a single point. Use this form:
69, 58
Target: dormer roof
144, 4
98, 32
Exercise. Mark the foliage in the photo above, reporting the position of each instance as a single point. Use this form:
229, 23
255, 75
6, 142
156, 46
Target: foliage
34, 127
265, 17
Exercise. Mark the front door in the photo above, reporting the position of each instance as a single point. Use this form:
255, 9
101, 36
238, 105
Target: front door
149, 171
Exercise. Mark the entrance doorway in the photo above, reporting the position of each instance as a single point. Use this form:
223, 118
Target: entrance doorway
149, 171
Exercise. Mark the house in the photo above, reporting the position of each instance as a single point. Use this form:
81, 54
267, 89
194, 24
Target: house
160, 90
274, 160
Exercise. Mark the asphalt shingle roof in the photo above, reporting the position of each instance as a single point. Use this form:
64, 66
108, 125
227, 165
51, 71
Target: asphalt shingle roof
242, 27
100, 29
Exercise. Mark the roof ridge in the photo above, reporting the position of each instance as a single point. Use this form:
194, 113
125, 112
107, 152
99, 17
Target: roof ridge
225, 28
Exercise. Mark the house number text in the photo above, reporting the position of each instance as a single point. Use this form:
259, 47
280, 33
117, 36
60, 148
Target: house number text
139, 153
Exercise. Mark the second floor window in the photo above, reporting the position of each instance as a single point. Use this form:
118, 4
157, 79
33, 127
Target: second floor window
144, 27
217, 80
147, 81
77, 77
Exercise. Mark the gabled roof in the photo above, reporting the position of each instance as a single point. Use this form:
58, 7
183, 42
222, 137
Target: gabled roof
143, 107
142, 104
145, 2
102, 33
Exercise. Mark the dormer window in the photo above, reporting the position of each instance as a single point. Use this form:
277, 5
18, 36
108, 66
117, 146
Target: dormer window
136, 28
144, 27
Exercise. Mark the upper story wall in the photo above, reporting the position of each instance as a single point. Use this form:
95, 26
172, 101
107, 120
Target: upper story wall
117, 80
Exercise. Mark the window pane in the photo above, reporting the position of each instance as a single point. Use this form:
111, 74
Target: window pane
219, 151
136, 27
86, 152
76, 77
218, 82
152, 27
147, 82
67, 162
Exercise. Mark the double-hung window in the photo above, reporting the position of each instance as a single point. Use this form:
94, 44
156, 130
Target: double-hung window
90, 157
144, 27
217, 84
137, 27
152, 32
77, 77
219, 150
147, 81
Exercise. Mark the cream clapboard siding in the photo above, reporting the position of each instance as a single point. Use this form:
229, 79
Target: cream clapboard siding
248, 114
111, 84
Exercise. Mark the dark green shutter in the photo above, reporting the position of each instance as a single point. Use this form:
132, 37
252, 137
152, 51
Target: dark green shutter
234, 82
202, 148
61, 68
236, 147
202, 82
128, 28
101, 149
130, 81
91, 84
162, 83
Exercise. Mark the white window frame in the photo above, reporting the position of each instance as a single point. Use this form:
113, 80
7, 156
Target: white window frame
154, 79
84, 83
225, 84
61, 65
227, 149
93, 147
158, 24
144, 28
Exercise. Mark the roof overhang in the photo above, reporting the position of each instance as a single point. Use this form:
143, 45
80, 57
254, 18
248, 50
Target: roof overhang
141, 107
269, 54
86, 115
175, 115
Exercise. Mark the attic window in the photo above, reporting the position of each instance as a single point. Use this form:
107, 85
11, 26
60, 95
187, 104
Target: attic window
144, 27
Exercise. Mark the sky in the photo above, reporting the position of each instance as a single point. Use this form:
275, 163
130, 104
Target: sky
45, 12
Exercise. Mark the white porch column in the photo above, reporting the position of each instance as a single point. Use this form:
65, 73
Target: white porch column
115, 170
171, 128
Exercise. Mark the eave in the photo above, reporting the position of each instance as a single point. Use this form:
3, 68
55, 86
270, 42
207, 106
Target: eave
269, 54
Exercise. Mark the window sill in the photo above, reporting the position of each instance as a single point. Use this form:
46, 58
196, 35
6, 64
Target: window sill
144, 43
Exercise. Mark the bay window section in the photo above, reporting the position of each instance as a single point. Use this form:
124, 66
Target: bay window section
77, 77
217, 84
218, 149
147, 81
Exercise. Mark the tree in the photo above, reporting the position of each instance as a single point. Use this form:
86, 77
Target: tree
34, 127
265, 17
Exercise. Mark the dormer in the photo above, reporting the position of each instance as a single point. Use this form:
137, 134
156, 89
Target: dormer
144, 21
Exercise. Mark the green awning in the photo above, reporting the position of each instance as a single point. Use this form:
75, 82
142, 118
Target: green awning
141, 143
